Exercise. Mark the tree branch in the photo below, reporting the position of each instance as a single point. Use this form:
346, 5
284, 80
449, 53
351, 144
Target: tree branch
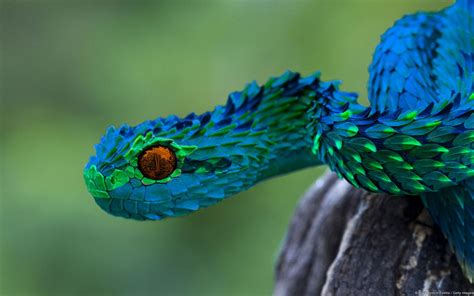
346, 241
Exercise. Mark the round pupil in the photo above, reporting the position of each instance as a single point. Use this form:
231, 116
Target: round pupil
157, 162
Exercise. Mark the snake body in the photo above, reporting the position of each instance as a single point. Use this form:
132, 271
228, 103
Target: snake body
416, 138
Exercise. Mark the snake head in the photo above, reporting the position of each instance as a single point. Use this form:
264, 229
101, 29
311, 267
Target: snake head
173, 166
159, 169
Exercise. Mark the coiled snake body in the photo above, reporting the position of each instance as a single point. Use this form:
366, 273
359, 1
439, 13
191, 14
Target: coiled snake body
416, 138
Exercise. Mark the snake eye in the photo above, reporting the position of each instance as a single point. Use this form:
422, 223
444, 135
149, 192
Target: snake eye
157, 162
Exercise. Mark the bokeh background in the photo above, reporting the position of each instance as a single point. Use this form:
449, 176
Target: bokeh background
71, 68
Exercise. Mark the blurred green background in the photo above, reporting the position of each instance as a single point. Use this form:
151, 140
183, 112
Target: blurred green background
70, 69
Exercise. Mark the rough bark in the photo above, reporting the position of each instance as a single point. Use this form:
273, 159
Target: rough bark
345, 241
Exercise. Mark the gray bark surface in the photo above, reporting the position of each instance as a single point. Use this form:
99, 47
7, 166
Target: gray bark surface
346, 241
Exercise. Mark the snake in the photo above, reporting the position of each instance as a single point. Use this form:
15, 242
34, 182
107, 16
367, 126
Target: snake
416, 137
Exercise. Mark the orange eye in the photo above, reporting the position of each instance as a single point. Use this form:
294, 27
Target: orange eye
157, 162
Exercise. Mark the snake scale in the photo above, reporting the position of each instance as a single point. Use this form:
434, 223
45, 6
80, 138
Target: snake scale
416, 138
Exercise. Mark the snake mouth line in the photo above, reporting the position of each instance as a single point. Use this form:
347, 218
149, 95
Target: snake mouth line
131, 209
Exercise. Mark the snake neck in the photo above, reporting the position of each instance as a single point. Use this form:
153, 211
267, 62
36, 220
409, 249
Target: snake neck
293, 122
400, 153
264, 128
271, 129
